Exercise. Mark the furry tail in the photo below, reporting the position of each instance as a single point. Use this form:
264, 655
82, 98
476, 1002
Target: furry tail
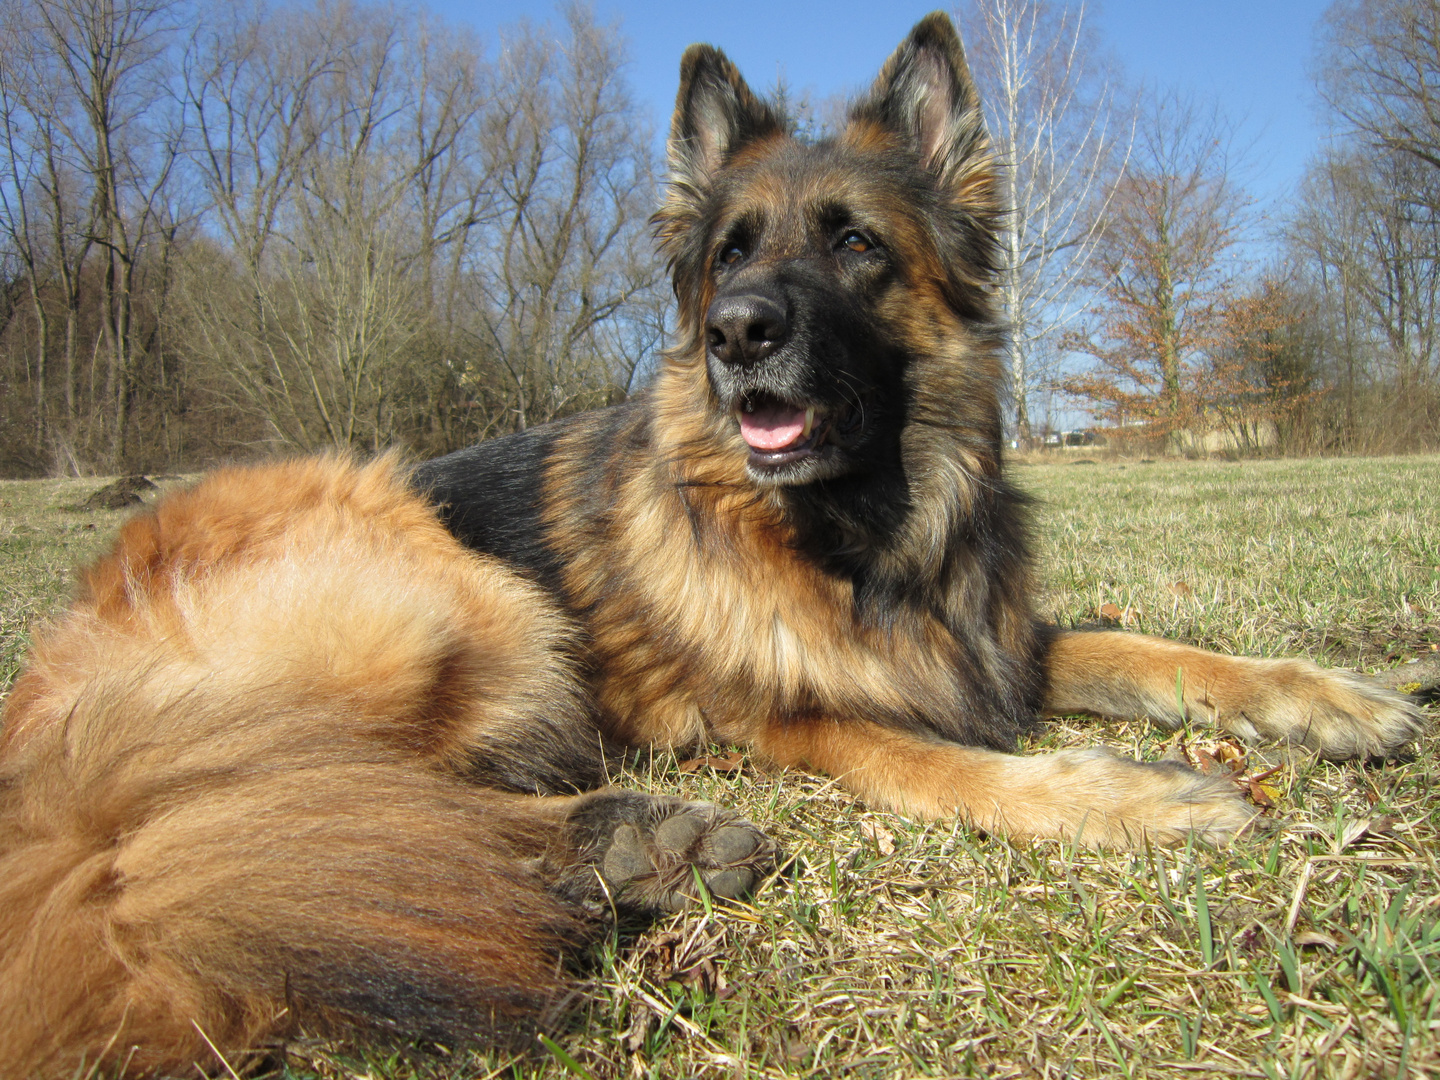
156, 904
229, 785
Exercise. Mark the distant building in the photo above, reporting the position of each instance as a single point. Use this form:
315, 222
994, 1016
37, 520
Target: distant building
1239, 437
1080, 438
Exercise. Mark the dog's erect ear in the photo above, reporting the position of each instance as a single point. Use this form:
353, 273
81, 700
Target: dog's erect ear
715, 115
924, 94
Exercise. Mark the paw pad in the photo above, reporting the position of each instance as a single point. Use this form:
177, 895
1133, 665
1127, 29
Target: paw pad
653, 867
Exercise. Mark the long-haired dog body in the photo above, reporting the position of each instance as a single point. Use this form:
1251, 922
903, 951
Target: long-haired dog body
241, 782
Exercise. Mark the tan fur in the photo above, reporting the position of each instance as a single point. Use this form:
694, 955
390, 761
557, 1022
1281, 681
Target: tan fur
1337, 714
1092, 796
337, 584
792, 632
229, 784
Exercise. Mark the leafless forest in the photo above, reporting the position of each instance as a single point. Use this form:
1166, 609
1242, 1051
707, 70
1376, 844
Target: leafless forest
233, 228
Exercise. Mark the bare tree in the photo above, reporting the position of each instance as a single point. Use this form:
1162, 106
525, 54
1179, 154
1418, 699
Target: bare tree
573, 187
107, 53
1367, 237
250, 79
311, 143
88, 152
323, 224
1049, 106
1398, 245
1364, 235
1379, 70
426, 245
43, 207
1165, 266
1320, 239
26, 132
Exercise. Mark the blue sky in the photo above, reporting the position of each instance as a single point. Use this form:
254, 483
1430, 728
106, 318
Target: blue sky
1252, 56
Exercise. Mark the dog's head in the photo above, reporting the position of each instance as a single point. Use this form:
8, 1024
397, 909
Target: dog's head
835, 289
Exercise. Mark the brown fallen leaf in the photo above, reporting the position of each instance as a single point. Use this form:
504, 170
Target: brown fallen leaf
705, 977
642, 1020
673, 956
1126, 616
1229, 755
883, 837
1262, 789
1179, 588
729, 763
1262, 795
1220, 756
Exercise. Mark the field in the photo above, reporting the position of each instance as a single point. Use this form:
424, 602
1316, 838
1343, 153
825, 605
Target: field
887, 948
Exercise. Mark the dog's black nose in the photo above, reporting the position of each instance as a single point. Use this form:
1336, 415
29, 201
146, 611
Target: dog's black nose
745, 329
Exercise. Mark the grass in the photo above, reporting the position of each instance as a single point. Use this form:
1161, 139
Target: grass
891, 948
41, 544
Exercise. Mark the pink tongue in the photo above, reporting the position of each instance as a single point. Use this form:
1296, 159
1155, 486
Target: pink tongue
772, 427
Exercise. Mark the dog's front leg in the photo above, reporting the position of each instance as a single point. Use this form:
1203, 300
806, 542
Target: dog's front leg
1335, 713
1093, 795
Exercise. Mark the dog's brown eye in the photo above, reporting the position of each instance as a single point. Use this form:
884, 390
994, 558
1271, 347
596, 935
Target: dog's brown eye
731, 253
856, 242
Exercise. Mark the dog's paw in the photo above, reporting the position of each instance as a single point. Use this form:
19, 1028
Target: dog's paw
1337, 714
648, 850
652, 869
1117, 802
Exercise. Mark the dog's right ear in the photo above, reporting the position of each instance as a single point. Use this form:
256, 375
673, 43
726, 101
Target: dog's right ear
715, 115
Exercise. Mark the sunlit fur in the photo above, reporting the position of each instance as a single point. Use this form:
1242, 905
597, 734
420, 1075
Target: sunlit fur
240, 781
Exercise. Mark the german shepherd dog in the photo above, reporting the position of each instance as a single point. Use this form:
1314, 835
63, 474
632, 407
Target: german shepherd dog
296, 754
801, 537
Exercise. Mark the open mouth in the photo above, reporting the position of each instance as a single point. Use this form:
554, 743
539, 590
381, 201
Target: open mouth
778, 432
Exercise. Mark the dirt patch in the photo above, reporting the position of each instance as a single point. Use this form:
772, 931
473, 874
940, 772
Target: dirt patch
124, 492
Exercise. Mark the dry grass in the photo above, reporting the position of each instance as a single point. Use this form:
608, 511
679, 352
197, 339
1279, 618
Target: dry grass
40, 545
888, 948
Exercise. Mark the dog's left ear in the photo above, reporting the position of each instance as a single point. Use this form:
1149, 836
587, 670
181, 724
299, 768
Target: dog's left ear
716, 115
924, 94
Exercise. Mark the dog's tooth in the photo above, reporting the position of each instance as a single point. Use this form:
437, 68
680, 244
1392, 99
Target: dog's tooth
809, 421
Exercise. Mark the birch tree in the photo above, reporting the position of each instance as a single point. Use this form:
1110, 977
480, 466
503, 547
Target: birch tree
1049, 105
